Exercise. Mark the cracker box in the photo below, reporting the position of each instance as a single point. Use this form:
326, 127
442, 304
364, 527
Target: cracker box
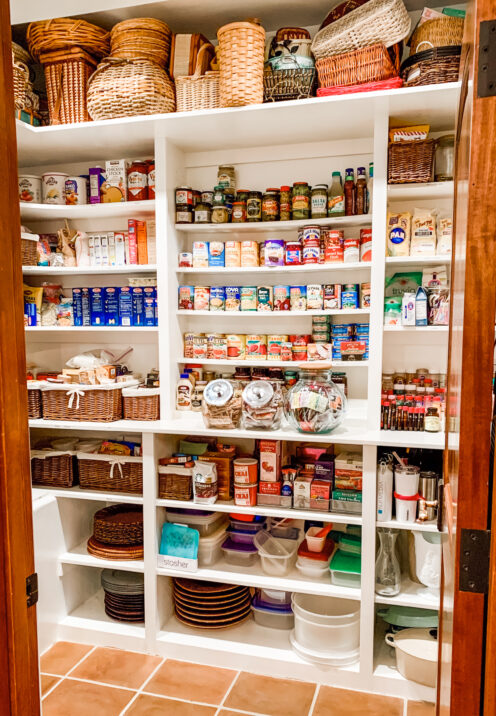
114, 188
348, 471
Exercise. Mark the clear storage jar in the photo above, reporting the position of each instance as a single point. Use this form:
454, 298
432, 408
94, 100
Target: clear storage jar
315, 404
262, 405
221, 407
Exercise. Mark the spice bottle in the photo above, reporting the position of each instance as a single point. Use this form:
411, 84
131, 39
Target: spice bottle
361, 192
319, 201
335, 197
349, 193
285, 200
370, 188
301, 200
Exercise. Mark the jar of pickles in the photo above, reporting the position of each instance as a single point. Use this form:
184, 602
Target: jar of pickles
222, 402
319, 201
203, 213
301, 200
270, 205
254, 206
262, 405
220, 214
285, 201
315, 404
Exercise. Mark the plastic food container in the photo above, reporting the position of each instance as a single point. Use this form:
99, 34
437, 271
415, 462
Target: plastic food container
272, 617
312, 570
351, 544
207, 523
285, 532
274, 596
315, 564
416, 655
328, 658
315, 544
277, 555
210, 548
240, 537
239, 555
326, 625
247, 526
346, 570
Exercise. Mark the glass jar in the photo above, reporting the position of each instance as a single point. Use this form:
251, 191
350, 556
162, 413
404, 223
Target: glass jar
184, 205
207, 197
341, 380
221, 406
228, 202
242, 195
432, 423
315, 404
319, 201
445, 158
270, 205
203, 213
254, 206
301, 200
196, 197
220, 215
262, 405
387, 383
239, 212
226, 177
387, 567
285, 202
218, 198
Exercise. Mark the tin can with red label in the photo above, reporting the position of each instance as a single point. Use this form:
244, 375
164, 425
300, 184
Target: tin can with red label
333, 246
365, 244
351, 250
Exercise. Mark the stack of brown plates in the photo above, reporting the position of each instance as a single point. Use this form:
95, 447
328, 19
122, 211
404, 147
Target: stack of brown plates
105, 551
117, 533
210, 605
124, 595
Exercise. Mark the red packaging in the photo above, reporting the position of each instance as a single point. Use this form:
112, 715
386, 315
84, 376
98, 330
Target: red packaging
269, 488
320, 489
365, 244
301, 340
270, 460
132, 226
333, 246
311, 250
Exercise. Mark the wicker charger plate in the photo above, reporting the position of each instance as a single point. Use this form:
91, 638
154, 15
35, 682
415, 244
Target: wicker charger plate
119, 525
227, 623
219, 610
104, 551
211, 606
214, 618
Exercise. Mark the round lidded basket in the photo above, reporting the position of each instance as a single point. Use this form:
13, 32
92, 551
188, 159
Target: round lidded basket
126, 88
241, 62
119, 525
63, 33
141, 37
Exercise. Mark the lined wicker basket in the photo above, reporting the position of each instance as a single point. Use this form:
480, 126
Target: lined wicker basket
369, 64
198, 91
53, 468
35, 410
175, 482
62, 33
119, 525
392, 83
127, 88
71, 401
141, 403
111, 473
280, 85
440, 32
29, 251
411, 162
241, 62
142, 37
378, 21
21, 82
436, 66
66, 75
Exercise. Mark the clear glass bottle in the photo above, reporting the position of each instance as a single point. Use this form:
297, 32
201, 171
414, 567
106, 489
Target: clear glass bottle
445, 158
387, 567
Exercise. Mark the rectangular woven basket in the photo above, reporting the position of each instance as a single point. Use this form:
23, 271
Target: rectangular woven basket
102, 404
141, 403
53, 468
66, 76
369, 64
175, 482
34, 400
110, 473
29, 251
411, 162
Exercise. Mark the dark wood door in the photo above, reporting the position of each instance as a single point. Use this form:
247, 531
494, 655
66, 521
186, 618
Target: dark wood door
467, 458
19, 683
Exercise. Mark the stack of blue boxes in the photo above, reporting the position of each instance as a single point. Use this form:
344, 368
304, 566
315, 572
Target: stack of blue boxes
128, 306
348, 332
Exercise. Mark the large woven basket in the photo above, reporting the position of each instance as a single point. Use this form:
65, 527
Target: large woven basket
175, 482
241, 62
440, 32
435, 66
52, 468
280, 85
119, 524
411, 161
99, 403
21, 82
369, 64
62, 33
66, 75
198, 91
35, 410
29, 251
141, 403
378, 21
142, 37
127, 88
112, 473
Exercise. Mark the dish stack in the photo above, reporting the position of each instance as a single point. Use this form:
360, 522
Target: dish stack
435, 49
358, 49
124, 595
117, 533
210, 605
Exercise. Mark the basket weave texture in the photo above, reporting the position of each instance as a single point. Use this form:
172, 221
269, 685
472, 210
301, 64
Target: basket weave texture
62, 33
173, 486
122, 476
101, 405
66, 76
378, 21
127, 88
198, 91
29, 252
440, 32
241, 62
119, 525
369, 64
143, 407
21, 82
280, 85
436, 66
34, 403
141, 37
411, 161
57, 470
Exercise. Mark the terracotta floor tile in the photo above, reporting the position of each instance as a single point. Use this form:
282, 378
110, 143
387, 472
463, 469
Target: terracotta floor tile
236, 713
155, 706
274, 697
117, 667
62, 657
341, 702
421, 708
78, 698
194, 682
47, 681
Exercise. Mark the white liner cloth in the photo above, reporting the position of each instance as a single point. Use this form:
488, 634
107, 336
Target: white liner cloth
43, 454
76, 390
140, 392
114, 460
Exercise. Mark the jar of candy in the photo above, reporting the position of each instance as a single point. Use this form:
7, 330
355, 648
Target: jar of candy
262, 405
221, 406
315, 404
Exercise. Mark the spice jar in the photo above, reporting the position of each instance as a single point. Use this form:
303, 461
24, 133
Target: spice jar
239, 212
184, 205
301, 200
222, 402
315, 404
137, 181
254, 206
270, 205
285, 202
262, 405
203, 213
319, 201
432, 422
226, 177
445, 158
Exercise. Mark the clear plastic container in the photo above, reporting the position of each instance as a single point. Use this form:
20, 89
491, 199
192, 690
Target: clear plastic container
210, 548
274, 596
241, 537
315, 544
313, 570
326, 625
350, 544
345, 570
277, 555
252, 527
272, 618
205, 522
239, 555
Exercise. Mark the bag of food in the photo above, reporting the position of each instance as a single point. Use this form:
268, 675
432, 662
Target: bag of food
398, 233
444, 234
205, 488
423, 240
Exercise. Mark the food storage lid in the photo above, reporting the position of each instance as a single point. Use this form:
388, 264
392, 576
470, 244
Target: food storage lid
314, 565
342, 562
269, 546
258, 393
275, 596
323, 556
410, 617
214, 538
230, 546
194, 513
250, 527
218, 392
350, 544
259, 605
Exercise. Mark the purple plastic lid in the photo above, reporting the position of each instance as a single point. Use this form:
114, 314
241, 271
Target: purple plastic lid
239, 546
182, 511
269, 607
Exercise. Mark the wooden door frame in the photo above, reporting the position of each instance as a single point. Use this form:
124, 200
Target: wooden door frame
19, 683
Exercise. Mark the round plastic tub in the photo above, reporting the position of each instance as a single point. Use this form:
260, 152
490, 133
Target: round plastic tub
274, 596
277, 555
274, 618
326, 625
327, 658
205, 522
210, 548
239, 555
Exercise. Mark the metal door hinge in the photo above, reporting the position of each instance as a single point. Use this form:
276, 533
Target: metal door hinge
32, 589
475, 548
486, 78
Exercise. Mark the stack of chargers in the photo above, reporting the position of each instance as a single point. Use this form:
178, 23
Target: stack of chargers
348, 474
115, 306
345, 332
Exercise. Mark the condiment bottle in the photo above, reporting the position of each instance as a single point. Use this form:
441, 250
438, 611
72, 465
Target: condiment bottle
361, 192
183, 392
370, 187
349, 193
335, 197
285, 203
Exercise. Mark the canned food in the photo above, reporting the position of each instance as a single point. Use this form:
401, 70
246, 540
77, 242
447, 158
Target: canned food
202, 298
281, 298
320, 320
265, 301
185, 259
236, 346
365, 244
217, 298
188, 344
314, 297
211, 338
292, 253
219, 348
274, 252
365, 295
332, 296
298, 298
248, 298
232, 254
311, 250
299, 353
286, 351
311, 232
351, 250
75, 191
30, 188
349, 296
186, 298
256, 347
53, 187
299, 340
200, 254
333, 246
274, 346
199, 346
233, 298
249, 253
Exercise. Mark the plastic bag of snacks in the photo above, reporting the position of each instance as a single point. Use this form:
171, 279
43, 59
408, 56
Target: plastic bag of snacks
205, 487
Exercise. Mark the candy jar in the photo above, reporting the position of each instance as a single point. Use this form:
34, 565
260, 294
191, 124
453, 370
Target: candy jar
221, 407
315, 404
262, 405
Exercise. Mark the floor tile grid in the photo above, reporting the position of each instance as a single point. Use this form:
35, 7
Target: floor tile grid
63, 676
145, 682
227, 693
314, 700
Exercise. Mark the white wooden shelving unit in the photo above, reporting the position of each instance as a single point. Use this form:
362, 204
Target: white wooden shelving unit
267, 150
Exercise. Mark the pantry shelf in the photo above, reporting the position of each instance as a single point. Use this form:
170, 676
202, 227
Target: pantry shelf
79, 555
431, 190
76, 493
300, 269
385, 668
416, 329
80, 330
274, 226
278, 314
411, 438
111, 210
88, 270
124, 427
415, 526
271, 363
413, 595
409, 261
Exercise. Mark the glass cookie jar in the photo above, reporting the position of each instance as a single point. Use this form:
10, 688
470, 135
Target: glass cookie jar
315, 404
221, 407
262, 405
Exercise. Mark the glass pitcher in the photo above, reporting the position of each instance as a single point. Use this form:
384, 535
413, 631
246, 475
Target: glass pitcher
387, 567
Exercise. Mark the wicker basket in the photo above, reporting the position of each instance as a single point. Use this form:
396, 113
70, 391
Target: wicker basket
66, 75
198, 91
29, 251
440, 32
290, 83
119, 524
241, 60
112, 473
175, 482
369, 64
411, 162
63, 33
378, 21
392, 83
436, 66
34, 399
128, 88
52, 468
142, 37
71, 401
141, 403
21, 82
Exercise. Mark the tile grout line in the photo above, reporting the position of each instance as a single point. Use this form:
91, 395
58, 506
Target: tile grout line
62, 677
80, 662
314, 700
145, 682
236, 677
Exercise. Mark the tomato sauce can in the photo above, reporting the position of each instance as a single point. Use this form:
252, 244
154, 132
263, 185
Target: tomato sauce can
365, 244
256, 347
236, 346
186, 298
274, 347
199, 346
211, 337
281, 298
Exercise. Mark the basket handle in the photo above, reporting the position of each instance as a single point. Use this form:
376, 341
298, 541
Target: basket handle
115, 61
424, 42
207, 47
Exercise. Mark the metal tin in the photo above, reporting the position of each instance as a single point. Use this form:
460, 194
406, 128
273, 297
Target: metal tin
311, 232
298, 298
365, 244
199, 346
188, 344
249, 253
219, 348
75, 191
248, 298
282, 301
211, 338
349, 297
365, 295
333, 246
202, 298
351, 250
311, 250
332, 295
186, 298
256, 347
217, 298
185, 259
265, 301
315, 297
274, 346
292, 253
236, 346
233, 298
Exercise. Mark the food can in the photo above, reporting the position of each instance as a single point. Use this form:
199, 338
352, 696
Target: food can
286, 351
249, 253
245, 470
202, 298
53, 187
232, 257
322, 251
311, 250
351, 250
188, 344
245, 495
274, 347
256, 347
274, 252
186, 298
216, 253
365, 244
248, 298
349, 296
299, 353
185, 259
217, 298
292, 253
298, 298
365, 295
333, 246
300, 339
29, 188
233, 298
76, 191
332, 296
236, 346
321, 320
211, 338
200, 254
281, 298
265, 301
315, 297
219, 348
199, 346
311, 232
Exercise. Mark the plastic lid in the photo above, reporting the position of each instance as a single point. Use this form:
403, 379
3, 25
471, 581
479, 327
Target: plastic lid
218, 392
262, 606
231, 546
184, 375
258, 393
336, 174
342, 562
410, 617
323, 556
350, 543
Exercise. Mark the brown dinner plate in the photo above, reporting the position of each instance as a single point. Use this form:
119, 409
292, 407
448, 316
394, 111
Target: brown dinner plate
214, 618
229, 599
212, 607
205, 597
195, 586
105, 551
194, 625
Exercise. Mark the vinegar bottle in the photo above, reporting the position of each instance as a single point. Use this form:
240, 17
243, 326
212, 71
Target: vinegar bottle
361, 192
335, 196
349, 193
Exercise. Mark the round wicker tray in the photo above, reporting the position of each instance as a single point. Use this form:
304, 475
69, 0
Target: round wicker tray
119, 525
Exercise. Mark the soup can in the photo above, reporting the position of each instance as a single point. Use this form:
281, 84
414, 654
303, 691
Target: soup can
332, 295
315, 297
349, 296
281, 298
333, 246
236, 346
217, 298
365, 244
211, 337
248, 298
298, 298
351, 250
265, 299
233, 298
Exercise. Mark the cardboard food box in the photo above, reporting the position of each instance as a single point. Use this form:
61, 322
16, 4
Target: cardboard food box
270, 460
269, 488
114, 188
301, 492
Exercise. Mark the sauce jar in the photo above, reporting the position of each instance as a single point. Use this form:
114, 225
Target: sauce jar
319, 201
207, 197
285, 202
239, 212
203, 213
270, 205
137, 181
301, 200
150, 164
226, 177
254, 206
184, 205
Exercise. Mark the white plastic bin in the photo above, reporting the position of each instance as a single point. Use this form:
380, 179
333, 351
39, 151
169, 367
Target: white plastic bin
326, 624
210, 548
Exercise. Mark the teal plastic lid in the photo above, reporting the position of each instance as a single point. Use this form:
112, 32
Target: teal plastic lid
410, 617
342, 562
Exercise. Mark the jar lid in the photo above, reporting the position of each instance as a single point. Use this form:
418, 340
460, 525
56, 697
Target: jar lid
285, 188
258, 393
320, 186
218, 392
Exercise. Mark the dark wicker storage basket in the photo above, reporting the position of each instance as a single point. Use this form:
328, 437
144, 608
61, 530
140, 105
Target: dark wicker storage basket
119, 525
29, 252
53, 468
102, 404
411, 162
369, 64
109, 473
175, 482
280, 85
430, 67
34, 399
141, 403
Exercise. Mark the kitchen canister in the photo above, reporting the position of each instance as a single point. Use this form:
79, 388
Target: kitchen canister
53, 187
30, 188
241, 62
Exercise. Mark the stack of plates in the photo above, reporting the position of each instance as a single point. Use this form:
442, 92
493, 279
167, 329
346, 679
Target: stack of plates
117, 533
124, 595
210, 605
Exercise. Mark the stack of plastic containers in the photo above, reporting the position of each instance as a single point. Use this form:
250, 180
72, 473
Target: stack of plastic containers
346, 564
239, 549
272, 609
212, 528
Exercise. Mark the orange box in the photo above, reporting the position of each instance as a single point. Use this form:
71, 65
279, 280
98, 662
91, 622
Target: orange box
142, 242
270, 460
269, 488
